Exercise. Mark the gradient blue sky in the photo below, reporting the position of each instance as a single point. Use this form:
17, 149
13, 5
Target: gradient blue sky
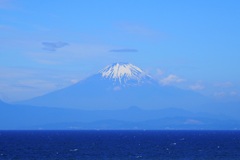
47, 45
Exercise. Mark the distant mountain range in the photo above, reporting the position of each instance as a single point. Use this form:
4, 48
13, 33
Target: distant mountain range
15, 117
119, 86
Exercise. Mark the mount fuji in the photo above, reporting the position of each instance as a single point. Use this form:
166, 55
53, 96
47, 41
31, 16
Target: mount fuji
120, 96
119, 86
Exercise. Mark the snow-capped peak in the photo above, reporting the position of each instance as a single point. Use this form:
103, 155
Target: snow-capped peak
123, 72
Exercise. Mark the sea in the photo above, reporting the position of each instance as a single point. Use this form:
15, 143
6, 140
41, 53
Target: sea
120, 145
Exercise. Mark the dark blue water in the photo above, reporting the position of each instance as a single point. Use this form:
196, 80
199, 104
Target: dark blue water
104, 145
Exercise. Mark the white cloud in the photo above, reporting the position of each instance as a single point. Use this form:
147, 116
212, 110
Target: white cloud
171, 79
117, 88
233, 93
196, 87
23, 83
74, 81
219, 94
15, 91
224, 84
159, 72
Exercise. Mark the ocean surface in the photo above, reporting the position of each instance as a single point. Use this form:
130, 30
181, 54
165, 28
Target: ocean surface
120, 145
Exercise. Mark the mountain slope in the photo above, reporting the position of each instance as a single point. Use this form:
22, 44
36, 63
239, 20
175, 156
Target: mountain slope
119, 86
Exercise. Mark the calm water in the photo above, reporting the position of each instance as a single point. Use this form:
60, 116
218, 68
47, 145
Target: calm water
94, 145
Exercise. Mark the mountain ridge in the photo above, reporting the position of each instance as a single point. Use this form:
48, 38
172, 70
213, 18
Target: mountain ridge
40, 118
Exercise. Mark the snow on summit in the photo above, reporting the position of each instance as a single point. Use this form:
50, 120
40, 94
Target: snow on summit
123, 72
118, 70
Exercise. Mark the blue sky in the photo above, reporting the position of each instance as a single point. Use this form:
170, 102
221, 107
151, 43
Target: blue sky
47, 45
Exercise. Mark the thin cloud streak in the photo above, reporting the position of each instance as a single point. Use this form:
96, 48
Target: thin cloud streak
224, 84
124, 50
171, 79
53, 46
197, 87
